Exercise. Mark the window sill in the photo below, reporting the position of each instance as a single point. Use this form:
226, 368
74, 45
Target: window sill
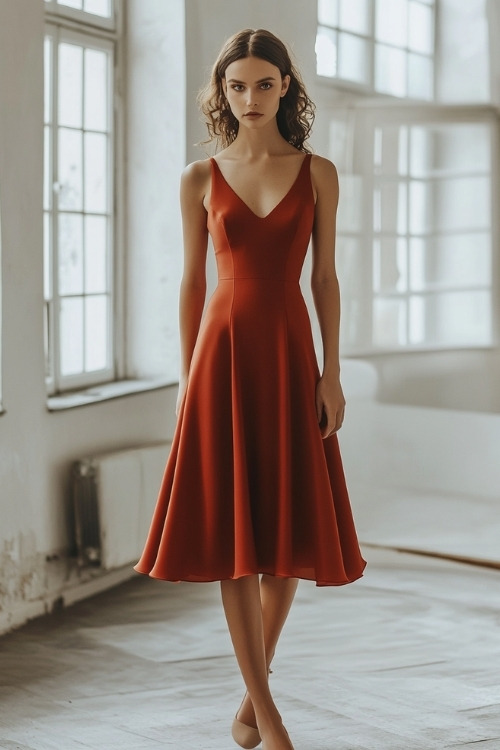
105, 392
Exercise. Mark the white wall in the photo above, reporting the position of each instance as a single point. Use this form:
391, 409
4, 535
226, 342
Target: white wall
37, 447
155, 149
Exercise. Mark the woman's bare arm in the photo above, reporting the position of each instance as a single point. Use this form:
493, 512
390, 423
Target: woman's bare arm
194, 181
330, 400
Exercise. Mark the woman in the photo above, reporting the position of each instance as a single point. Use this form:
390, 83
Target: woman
254, 493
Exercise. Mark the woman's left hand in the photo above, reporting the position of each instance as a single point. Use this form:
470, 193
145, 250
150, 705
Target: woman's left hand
330, 405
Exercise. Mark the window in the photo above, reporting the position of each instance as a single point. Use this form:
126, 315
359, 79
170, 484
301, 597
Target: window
432, 239
426, 247
416, 229
79, 261
98, 12
379, 45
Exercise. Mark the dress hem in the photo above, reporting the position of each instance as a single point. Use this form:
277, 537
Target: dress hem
301, 577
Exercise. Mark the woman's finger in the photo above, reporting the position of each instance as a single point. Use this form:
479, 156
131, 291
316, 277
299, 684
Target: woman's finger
319, 406
340, 419
334, 424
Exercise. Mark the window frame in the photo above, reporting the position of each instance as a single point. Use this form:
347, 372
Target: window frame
63, 28
372, 42
401, 113
59, 12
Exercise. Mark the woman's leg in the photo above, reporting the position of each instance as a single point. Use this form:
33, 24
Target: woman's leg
276, 596
242, 605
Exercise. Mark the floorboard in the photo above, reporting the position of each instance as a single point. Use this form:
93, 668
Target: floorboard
407, 658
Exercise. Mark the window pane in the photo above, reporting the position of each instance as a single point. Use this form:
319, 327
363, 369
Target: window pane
417, 328
420, 77
96, 90
389, 322
350, 215
350, 256
326, 52
355, 15
420, 28
421, 151
451, 148
463, 203
451, 319
421, 207
389, 264
96, 186
71, 3
70, 254
349, 259
46, 340
96, 333
391, 22
95, 254
391, 150
70, 85
70, 169
71, 336
47, 254
47, 75
403, 150
353, 58
99, 7
390, 208
390, 70
47, 168
328, 12
460, 260
339, 139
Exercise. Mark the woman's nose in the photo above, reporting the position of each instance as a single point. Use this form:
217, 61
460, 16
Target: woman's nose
251, 99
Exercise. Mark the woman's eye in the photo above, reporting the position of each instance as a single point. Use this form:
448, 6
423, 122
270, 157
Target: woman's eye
237, 87
266, 86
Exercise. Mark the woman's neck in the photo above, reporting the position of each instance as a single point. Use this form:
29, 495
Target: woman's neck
255, 144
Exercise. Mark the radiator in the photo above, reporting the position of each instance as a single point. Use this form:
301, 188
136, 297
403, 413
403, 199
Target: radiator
114, 495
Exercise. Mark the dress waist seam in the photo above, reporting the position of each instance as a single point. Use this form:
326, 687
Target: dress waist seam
258, 278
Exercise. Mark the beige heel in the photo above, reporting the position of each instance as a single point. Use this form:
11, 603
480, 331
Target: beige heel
245, 736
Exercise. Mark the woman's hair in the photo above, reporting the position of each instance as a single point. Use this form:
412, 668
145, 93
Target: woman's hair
296, 111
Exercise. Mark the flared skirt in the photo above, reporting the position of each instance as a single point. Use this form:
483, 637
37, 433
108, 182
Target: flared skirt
250, 486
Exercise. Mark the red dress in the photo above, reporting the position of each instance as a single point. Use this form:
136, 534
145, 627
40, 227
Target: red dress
250, 486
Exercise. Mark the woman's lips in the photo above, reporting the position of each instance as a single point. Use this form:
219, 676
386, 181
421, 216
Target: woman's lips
253, 114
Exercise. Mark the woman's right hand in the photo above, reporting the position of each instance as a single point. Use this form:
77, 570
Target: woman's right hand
180, 395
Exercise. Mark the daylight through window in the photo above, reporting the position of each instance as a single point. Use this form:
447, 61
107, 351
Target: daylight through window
78, 206
380, 45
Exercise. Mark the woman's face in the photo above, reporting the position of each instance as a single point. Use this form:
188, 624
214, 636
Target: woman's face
253, 88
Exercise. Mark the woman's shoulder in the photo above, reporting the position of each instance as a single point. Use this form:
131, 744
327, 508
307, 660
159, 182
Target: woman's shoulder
195, 179
323, 169
324, 178
196, 171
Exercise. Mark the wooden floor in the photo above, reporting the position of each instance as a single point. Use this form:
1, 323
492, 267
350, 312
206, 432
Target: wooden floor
406, 658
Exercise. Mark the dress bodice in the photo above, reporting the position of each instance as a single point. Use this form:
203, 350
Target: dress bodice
251, 246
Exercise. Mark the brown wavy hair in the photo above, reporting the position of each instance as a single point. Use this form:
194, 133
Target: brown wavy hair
296, 110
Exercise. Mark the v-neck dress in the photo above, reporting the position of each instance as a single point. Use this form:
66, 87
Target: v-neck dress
250, 486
